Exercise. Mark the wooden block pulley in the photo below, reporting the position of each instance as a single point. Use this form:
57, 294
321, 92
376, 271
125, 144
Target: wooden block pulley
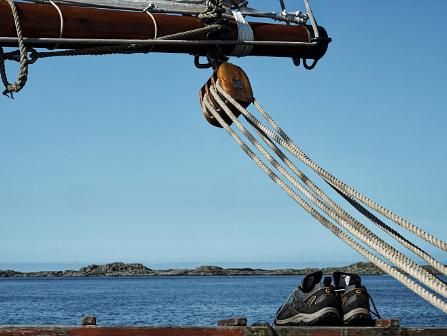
236, 83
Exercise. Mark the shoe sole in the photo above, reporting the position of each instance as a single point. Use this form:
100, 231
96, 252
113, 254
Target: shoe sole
323, 317
358, 317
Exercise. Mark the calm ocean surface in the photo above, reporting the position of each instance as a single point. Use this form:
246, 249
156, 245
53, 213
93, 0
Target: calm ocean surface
181, 300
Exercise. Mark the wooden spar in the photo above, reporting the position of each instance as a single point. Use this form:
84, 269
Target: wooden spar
42, 21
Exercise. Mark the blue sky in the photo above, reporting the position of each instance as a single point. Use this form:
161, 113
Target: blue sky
109, 158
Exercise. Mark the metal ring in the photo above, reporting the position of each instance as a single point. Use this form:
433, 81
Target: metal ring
309, 67
201, 65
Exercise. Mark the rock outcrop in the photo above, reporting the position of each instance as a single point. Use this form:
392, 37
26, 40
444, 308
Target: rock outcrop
115, 269
122, 269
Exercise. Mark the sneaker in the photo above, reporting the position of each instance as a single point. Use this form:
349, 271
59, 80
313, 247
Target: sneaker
353, 299
312, 303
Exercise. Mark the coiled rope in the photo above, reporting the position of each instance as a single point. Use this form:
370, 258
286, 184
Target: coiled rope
23, 58
327, 205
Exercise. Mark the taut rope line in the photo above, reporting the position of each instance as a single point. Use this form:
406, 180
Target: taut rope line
405, 280
350, 224
296, 151
268, 133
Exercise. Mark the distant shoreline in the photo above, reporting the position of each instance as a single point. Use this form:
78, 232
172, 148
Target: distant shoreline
121, 269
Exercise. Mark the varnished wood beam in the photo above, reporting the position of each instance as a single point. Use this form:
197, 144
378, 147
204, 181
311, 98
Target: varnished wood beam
42, 21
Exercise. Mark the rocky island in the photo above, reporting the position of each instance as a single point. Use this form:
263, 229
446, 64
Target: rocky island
134, 269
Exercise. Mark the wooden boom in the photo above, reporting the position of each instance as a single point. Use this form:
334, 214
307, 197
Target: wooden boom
43, 21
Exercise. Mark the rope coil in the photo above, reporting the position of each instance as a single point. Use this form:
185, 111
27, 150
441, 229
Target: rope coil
10, 88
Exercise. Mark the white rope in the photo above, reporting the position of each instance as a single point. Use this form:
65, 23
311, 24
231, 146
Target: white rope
289, 145
61, 20
352, 225
342, 213
245, 33
295, 150
154, 21
436, 301
155, 24
312, 18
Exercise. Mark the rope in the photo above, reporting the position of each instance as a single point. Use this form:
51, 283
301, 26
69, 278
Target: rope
398, 275
155, 25
131, 49
288, 144
22, 54
23, 59
313, 22
393, 233
61, 18
295, 150
266, 133
335, 212
214, 10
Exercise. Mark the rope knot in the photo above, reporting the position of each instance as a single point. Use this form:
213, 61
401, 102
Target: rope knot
214, 11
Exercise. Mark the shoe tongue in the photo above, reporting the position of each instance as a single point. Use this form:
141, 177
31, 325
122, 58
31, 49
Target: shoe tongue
354, 280
343, 280
311, 280
327, 281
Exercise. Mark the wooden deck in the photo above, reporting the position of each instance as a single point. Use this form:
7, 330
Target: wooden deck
218, 331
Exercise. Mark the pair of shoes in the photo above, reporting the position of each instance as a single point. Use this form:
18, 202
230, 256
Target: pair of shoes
315, 303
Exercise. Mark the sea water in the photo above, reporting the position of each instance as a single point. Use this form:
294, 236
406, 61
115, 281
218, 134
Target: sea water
138, 301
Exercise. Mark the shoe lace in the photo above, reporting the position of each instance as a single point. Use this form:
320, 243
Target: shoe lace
376, 313
282, 306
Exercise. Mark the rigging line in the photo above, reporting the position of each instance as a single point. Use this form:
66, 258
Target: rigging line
155, 24
120, 49
296, 150
61, 18
296, 60
284, 142
394, 234
282, 4
350, 224
398, 275
313, 22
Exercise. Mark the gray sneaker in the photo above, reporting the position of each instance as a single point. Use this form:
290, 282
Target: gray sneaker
354, 299
312, 303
